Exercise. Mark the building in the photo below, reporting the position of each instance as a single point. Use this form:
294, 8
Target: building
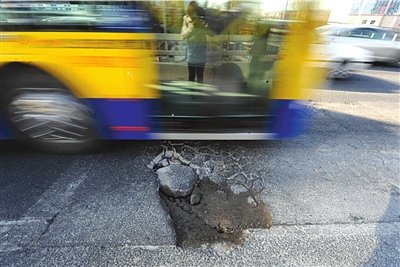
383, 13
169, 14
174, 12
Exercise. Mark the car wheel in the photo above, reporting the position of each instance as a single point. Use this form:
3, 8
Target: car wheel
340, 71
44, 114
394, 63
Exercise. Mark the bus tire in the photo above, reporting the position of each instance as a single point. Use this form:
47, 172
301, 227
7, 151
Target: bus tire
44, 114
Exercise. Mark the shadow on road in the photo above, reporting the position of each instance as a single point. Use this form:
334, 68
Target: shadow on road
330, 121
386, 252
363, 83
385, 67
24, 176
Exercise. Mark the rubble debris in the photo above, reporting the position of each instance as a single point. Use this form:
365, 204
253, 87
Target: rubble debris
212, 195
195, 199
238, 188
252, 201
220, 216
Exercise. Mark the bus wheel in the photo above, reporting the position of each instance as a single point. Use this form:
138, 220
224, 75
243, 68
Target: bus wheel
47, 116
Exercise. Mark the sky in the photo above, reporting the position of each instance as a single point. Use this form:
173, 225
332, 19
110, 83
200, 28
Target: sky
340, 9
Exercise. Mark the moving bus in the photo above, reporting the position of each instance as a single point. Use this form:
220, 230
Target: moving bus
73, 72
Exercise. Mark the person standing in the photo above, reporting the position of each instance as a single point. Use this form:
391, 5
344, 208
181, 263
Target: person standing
194, 32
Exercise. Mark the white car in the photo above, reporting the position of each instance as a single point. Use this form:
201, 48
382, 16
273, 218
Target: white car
345, 59
380, 42
340, 60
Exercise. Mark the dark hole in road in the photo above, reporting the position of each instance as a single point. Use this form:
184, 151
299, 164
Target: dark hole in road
205, 210
214, 214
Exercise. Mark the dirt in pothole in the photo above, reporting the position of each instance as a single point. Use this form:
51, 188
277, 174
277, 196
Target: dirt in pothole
214, 214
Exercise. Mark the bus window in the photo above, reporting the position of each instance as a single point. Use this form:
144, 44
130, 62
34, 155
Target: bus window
123, 16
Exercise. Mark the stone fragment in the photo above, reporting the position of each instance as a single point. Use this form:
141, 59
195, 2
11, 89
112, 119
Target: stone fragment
185, 206
194, 166
164, 163
197, 161
204, 172
209, 165
258, 185
177, 180
176, 155
184, 161
238, 188
240, 178
252, 202
195, 199
169, 153
158, 158
224, 226
174, 161
188, 154
151, 165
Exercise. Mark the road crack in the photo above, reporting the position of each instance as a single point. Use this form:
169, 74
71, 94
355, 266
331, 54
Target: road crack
49, 222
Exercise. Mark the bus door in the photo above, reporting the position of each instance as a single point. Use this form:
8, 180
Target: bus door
254, 79
233, 95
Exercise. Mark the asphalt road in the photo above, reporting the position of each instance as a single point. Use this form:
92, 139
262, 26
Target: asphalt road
334, 193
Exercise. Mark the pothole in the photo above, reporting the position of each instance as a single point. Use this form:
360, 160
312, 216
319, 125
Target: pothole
204, 211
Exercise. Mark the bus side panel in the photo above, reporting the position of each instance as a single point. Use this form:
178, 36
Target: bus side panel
123, 119
290, 118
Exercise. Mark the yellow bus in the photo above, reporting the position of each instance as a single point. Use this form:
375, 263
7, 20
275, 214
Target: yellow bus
73, 72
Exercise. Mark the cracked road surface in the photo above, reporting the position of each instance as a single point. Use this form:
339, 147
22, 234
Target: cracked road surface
205, 212
334, 193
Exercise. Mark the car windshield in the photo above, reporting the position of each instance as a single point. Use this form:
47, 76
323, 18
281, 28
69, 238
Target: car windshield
389, 35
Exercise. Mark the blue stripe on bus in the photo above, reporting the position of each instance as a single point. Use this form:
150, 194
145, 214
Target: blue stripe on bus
126, 119
290, 118
123, 118
5, 132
